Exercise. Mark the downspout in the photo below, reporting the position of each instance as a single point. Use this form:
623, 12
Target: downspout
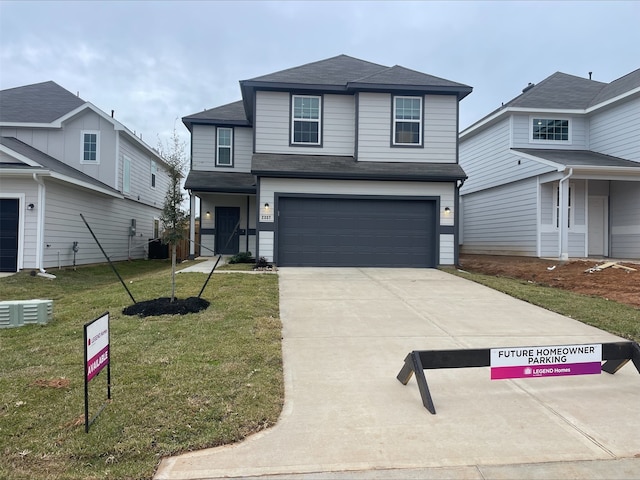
40, 224
564, 215
192, 225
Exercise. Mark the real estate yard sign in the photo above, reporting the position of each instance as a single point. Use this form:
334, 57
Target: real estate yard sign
96, 358
547, 361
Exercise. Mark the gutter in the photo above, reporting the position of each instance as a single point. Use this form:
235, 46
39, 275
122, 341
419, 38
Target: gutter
564, 229
40, 224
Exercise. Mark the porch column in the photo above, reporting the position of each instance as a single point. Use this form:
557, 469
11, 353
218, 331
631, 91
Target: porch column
192, 225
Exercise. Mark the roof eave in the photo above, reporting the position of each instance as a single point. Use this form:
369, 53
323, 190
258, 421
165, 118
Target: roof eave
358, 176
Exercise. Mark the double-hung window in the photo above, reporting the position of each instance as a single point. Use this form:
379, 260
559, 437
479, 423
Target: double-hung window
550, 130
306, 120
90, 147
224, 147
407, 121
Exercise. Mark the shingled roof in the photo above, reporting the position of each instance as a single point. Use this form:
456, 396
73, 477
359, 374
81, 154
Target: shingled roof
231, 114
37, 103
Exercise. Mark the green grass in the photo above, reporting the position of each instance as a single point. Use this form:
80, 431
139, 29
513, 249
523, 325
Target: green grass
179, 383
613, 317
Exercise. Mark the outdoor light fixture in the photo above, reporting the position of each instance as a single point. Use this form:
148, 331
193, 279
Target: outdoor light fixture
208, 213
447, 211
266, 207
31, 206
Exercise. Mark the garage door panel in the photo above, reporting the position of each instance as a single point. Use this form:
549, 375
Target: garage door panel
356, 232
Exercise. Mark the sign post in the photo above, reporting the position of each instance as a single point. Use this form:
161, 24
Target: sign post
96, 357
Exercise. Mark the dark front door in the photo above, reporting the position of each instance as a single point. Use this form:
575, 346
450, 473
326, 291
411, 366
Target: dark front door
227, 229
9, 234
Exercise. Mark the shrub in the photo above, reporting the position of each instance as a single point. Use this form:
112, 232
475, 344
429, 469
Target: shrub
243, 257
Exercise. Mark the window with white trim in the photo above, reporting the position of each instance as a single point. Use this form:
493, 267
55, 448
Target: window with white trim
126, 175
306, 120
224, 147
154, 173
407, 121
90, 146
550, 129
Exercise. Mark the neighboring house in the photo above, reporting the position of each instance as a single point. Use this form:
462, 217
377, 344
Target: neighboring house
61, 157
555, 172
340, 162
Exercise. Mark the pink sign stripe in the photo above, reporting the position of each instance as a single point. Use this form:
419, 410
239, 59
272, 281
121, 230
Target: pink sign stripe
530, 371
96, 363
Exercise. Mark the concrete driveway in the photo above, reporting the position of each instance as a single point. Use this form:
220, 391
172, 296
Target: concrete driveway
346, 333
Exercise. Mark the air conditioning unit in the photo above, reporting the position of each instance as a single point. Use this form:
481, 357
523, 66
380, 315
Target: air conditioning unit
15, 313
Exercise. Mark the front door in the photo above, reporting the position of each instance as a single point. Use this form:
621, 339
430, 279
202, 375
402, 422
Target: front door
227, 230
598, 226
9, 234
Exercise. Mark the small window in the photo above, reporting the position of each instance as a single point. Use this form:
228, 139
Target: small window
126, 175
224, 150
570, 200
156, 228
90, 147
306, 114
154, 172
407, 121
552, 130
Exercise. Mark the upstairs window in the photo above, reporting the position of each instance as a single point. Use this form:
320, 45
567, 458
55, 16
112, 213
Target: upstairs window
224, 149
550, 129
306, 114
90, 147
154, 173
407, 121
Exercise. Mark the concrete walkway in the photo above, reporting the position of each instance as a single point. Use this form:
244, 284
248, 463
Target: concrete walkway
346, 333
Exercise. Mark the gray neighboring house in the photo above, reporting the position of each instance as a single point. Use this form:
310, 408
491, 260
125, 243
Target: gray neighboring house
555, 172
340, 162
61, 157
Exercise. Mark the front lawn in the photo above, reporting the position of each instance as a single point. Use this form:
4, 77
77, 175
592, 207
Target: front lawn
179, 383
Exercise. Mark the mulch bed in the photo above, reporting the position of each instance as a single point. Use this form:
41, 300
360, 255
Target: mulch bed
164, 306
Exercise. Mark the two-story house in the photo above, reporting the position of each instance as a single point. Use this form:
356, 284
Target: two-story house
341, 162
555, 172
61, 157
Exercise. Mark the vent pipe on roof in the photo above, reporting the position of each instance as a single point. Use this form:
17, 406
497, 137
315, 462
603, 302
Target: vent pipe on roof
528, 87
112, 112
590, 75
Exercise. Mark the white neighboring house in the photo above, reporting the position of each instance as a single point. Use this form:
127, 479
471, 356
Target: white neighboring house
61, 157
340, 162
555, 172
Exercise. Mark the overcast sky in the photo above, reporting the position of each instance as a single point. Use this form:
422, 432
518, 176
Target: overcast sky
157, 61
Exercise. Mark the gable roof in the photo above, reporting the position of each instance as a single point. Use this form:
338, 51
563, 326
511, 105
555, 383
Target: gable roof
37, 103
561, 91
53, 167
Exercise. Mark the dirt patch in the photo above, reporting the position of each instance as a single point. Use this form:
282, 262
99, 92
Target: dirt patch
52, 383
164, 306
618, 284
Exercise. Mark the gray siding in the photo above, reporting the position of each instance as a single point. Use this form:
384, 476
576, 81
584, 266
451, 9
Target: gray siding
109, 218
272, 125
203, 140
502, 220
625, 219
487, 161
615, 131
375, 130
140, 175
26, 190
522, 133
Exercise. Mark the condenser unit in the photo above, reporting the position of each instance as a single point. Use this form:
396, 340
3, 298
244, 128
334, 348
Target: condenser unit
15, 313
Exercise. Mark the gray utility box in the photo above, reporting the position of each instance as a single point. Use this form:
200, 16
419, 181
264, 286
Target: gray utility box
15, 313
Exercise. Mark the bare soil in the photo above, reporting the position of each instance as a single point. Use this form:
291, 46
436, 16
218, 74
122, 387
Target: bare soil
617, 284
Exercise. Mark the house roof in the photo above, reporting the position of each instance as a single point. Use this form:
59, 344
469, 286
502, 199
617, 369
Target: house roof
347, 168
231, 114
578, 158
339, 74
56, 168
226, 182
38, 103
561, 91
